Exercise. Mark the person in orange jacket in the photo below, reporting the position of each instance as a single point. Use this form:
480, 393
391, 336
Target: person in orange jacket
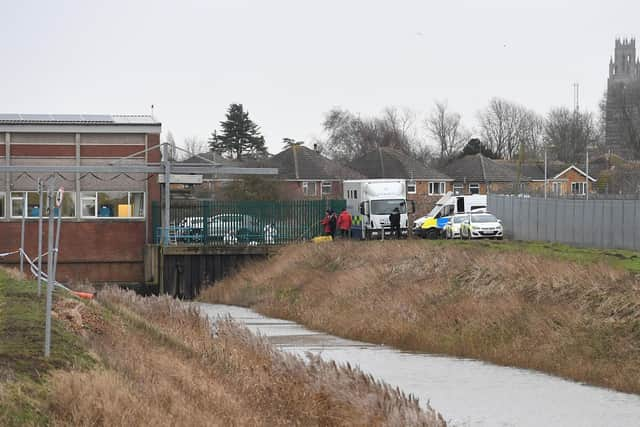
344, 223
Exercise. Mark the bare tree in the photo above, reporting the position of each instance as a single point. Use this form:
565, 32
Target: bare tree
569, 133
173, 151
446, 129
195, 145
350, 136
506, 127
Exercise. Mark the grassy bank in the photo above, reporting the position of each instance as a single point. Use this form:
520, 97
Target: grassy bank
126, 360
566, 312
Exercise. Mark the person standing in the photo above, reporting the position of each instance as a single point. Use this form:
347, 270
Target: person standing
394, 220
333, 223
344, 223
326, 222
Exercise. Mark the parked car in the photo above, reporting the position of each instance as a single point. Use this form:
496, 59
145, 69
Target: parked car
229, 228
481, 225
452, 229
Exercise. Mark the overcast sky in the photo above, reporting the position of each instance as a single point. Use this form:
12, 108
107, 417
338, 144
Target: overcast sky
289, 62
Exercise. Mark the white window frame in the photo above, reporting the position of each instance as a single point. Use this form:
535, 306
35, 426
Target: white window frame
440, 186
25, 204
556, 188
326, 184
411, 183
305, 188
474, 185
458, 188
93, 195
582, 186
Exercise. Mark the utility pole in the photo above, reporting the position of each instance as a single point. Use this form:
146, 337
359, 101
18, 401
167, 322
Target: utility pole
40, 207
24, 207
545, 171
167, 194
50, 278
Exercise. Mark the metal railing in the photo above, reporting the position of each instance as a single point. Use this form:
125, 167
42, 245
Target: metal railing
225, 223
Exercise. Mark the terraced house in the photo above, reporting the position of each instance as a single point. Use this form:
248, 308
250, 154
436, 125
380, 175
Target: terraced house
105, 217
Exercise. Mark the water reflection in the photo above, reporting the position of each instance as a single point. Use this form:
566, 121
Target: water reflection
466, 392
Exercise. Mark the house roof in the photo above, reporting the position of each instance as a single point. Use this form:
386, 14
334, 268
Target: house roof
534, 170
580, 171
300, 162
77, 119
386, 162
477, 167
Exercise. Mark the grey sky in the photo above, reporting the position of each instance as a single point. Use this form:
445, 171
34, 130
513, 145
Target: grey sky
291, 61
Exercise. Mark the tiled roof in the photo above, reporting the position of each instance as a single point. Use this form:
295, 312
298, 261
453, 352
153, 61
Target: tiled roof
387, 162
535, 170
76, 119
477, 167
300, 162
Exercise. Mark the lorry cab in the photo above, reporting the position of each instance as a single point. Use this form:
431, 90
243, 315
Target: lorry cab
370, 202
432, 224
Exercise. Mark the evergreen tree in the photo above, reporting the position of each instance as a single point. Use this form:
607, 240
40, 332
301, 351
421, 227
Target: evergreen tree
475, 146
239, 135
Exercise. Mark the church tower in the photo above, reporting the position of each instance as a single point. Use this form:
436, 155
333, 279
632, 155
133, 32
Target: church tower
623, 99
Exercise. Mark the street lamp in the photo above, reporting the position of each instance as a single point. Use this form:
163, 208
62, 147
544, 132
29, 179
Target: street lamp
546, 147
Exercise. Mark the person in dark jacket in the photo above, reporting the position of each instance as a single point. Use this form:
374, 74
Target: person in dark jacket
394, 220
333, 223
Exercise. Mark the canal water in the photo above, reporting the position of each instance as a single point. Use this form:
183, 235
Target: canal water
466, 392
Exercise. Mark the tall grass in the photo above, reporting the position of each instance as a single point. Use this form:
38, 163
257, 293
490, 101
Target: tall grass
164, 366
519, 309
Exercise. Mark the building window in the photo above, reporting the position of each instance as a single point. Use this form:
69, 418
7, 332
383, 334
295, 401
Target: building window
327, 188
436, 188
579, 188
309, 188
474, 188
556, 188
458, 188
112, 204
1, 205
28, 203
411, 187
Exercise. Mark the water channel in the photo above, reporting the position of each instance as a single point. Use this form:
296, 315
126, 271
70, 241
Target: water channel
466, 392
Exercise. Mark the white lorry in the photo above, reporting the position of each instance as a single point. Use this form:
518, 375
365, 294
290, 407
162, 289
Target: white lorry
432, 224
371, 201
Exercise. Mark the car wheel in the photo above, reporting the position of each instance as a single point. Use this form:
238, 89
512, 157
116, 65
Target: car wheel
432, 234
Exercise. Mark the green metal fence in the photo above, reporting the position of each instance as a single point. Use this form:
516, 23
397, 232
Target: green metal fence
209, 222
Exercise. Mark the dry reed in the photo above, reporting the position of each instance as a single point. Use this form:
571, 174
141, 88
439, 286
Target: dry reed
164, 366
518, 309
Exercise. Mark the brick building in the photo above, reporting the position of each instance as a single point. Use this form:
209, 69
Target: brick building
425, 185
303, 174
477, 174
105, 217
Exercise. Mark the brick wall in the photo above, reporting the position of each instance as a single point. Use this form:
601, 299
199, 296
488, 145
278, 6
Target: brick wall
97, 251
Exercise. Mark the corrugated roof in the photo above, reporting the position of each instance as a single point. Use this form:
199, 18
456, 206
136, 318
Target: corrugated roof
77, 119
387, 162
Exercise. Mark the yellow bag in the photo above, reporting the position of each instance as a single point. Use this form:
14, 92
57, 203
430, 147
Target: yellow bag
322, 239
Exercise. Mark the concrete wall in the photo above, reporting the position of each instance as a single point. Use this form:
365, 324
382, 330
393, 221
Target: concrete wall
590, 223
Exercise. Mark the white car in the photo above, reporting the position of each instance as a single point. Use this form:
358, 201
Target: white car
452, 229
481, 225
